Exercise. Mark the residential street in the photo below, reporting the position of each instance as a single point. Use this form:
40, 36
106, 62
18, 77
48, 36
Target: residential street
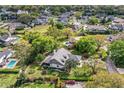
110, 66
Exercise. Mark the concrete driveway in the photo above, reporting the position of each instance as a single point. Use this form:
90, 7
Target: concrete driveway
77, 85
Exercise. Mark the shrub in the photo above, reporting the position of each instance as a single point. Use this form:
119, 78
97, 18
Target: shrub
103, 54
9, 71
85, 71
77, 78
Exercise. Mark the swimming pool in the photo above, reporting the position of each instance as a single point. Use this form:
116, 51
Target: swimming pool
11, 64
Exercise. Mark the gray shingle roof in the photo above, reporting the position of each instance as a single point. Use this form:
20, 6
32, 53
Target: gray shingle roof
61, 56
95, 27
5, 53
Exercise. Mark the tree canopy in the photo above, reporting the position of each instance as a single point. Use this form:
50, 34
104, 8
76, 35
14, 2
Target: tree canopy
44, 44
93, 20
87, 45
116, 50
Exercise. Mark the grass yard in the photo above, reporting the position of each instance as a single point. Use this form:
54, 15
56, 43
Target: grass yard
41, 28
33, 71
36, 85
6, 80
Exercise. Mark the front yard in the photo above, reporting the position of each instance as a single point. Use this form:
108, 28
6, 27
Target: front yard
7, 80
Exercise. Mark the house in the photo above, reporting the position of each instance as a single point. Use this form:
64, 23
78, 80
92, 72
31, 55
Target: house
4, 55
118, 20
66, 14
117, 24
76, 26
95, 28
16, 26
8, 15
64, 17
64, 20
58, 59
41, 20
7, 39
22, 12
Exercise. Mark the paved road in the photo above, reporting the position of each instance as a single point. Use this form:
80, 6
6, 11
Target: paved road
110, 66
77, 85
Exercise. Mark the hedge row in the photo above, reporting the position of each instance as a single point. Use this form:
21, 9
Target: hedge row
9, 71
77, 78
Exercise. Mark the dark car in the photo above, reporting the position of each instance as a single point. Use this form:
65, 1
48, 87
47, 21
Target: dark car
70, 82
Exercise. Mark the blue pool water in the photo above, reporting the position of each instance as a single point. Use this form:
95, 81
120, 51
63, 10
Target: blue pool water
11, 64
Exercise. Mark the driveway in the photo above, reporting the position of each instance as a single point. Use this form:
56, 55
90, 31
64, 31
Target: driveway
77, 85
110, 66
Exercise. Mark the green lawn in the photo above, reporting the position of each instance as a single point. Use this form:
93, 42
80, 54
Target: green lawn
6, 80
36, 85
41, 28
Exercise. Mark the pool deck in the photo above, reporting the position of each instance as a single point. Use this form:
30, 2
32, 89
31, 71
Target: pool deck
9, 62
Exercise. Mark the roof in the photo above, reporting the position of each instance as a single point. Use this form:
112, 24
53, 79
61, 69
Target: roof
7, 38
16, 24
5, 53
4, 37
118, 20
61, 56
95, 27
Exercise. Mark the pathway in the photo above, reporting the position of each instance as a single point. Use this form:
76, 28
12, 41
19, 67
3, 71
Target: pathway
77, 85
110, 66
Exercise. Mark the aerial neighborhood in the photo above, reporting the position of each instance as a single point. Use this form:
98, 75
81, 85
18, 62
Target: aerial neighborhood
62, 46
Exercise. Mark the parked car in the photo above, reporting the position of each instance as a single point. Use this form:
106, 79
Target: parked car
70, 82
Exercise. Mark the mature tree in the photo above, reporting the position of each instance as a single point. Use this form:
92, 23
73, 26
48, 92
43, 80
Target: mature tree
23, 52
54, 32
68, 33
82, 32
31, 35
44, 44
92, 63
25, 18
116, 50
59, 25
78, 14
93, 20
70, 64
51, 22
39, 57
106, 80
86, 45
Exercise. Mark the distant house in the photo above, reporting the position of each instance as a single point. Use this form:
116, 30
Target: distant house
58, 59
8, 15
95, 28
64, 20
8, 40
66, 14
76, 26
4, 55
40, 20
16, 26
118, 20
117, 24
22, 12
